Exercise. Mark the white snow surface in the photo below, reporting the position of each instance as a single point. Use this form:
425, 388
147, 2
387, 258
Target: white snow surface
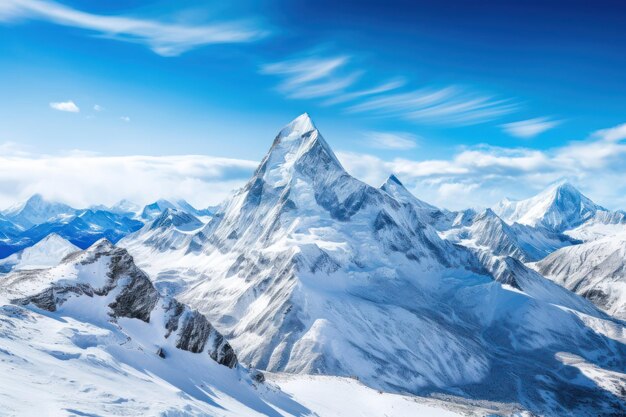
46, 253
75, 362
595, 269
559, 207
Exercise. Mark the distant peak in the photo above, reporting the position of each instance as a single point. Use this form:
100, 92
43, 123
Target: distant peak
35, 197
393, 179
487, 213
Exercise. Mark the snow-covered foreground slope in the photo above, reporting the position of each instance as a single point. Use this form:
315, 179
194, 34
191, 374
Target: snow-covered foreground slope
308, 270
92, 337
330, 396
44, 254
596, 270
56, 365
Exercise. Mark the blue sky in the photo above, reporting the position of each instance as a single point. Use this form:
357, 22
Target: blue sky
466, 101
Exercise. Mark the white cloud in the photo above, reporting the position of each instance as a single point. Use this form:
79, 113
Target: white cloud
312, 77
530, 128
163, 38
331, 78
98, 107
449, 105
82, 179
391, 140
125, 119
612, 134
383, 88
483, 175
68, 106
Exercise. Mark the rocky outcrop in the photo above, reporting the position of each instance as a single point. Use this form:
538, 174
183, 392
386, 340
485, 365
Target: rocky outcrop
132, 296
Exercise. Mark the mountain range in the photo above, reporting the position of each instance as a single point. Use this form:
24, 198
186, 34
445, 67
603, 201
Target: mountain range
306, 270
27, 223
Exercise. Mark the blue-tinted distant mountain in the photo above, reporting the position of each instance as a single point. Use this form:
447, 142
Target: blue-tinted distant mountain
154, 210
27, 223
37, 210
87, 227
8, 229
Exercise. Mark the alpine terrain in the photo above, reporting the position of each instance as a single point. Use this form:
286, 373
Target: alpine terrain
307, 270
307, 287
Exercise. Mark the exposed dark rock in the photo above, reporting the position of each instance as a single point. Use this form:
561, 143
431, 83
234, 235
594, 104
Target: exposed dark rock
257, 376
136, 298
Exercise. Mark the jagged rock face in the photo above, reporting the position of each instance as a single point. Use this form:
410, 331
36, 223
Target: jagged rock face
109, 272
195, 334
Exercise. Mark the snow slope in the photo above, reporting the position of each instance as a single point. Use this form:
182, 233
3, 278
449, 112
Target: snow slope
308, 270
44, 254
596, 270
95, 333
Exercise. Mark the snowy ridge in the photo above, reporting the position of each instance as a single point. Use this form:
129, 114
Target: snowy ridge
36, 210
488, 231
127, 293
154, 210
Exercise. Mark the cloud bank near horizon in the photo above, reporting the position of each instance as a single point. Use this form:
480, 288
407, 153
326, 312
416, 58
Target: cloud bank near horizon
478, 176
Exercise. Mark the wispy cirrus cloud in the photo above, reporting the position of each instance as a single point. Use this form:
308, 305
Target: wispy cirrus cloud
451, 105
312, 77
391, 140
530, 128
167, 39
68, 106
333, 79
383, 88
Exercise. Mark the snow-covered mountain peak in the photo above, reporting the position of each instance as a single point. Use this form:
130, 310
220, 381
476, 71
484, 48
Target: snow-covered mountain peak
51, 239
392, 179
36, 210
179, 219
299, 146
298, 126
487, 214
394, 187
559, 207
